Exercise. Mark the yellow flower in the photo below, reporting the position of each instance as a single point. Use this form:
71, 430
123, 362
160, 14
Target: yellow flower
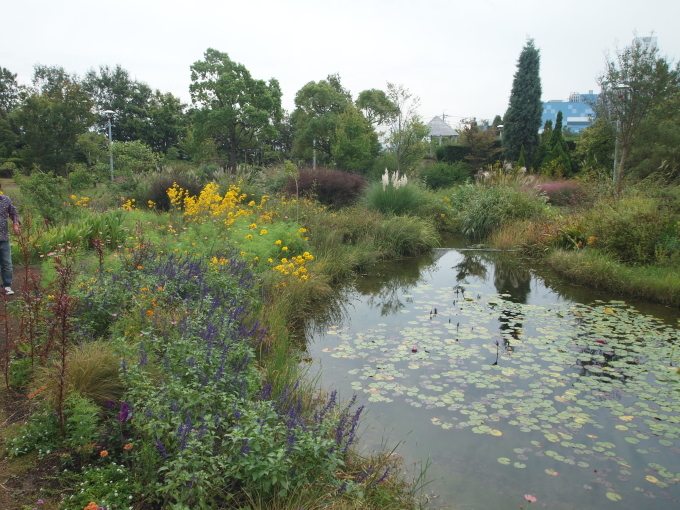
285, 248
263, 232
249, 236
278, 241
243, 253
284, 260
591, 240
270, 260
302, 230
253, 225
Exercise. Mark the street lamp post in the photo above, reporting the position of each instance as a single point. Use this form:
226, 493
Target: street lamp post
109, 115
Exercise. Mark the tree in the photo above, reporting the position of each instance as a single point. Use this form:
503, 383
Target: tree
595, 148
655, 150
318, 106
523, 117
234, 109
407, 136
376, 106
482, 143
10, 92
52, 118
556, 150
634, 82
356, 143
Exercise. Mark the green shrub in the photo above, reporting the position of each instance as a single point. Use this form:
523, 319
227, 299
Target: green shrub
47, 196
452, 153
445, 175
482, 209
627, 228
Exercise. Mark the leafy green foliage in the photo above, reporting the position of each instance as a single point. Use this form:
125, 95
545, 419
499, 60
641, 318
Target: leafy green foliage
40, 433
634, 83
444, 175
51, 120
234, 109
47, 195
318, 106
356, 142
451, 153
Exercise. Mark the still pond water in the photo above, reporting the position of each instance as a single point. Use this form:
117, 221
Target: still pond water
510, 382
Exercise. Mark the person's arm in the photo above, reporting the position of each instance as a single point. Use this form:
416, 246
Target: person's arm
14, 216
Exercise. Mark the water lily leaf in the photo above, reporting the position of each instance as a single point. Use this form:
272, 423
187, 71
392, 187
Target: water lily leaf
652, 479
519, 465
551, 472
614, 496
504, 460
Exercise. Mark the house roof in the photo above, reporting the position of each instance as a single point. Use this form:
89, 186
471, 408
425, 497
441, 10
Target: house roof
440, 128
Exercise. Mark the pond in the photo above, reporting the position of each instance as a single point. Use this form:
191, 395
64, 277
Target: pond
506, 381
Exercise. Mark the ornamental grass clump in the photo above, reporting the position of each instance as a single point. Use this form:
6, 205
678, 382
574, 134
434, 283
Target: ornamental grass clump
393, 195
480, 210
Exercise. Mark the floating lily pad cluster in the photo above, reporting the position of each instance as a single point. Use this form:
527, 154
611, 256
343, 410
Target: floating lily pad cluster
566, 375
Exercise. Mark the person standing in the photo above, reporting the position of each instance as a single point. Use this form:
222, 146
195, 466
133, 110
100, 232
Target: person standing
7, 210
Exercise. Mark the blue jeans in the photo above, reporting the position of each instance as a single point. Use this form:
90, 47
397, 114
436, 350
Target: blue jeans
6, 263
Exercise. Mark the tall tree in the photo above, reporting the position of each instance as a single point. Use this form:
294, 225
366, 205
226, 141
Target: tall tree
233, 108
523, 117
634, 82
318, 106
52, 118
406, 139
114, 89
557, 149
10, 92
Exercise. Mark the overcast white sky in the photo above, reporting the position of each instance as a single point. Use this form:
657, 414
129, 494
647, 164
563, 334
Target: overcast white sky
458, 56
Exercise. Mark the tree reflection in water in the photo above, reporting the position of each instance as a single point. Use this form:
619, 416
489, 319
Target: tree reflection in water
509, 277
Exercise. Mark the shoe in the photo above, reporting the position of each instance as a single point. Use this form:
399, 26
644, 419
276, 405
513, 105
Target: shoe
8, 291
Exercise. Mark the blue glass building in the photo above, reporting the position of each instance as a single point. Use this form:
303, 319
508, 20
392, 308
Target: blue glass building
577, 111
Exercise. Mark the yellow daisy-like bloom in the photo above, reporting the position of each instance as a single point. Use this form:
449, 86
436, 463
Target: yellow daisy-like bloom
278, 241
284, 260
263, 232
302, 230
285, 248
243, 253
249, 236
253, 225
270, 260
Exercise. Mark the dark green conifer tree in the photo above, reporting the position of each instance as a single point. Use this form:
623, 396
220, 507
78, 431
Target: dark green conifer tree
523, 117
522, 161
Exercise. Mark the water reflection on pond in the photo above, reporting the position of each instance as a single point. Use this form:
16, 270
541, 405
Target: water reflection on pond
509, 386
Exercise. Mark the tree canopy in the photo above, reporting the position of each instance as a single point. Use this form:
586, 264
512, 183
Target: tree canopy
232, 107
634, 82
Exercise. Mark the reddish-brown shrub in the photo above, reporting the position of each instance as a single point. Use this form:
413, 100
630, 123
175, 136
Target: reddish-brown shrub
562, 192
330, 187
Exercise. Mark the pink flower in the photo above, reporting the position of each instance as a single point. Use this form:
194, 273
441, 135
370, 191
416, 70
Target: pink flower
530, 498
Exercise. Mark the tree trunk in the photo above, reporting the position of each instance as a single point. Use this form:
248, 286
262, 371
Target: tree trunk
619, 177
